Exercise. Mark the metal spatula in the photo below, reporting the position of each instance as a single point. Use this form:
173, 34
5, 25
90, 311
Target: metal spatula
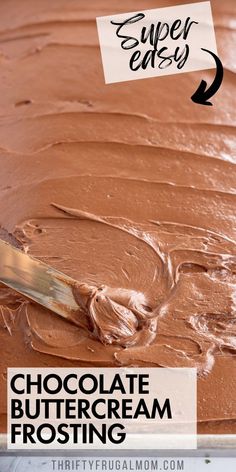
38, 281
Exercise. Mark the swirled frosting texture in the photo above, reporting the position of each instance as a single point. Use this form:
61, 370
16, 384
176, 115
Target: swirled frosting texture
128, 188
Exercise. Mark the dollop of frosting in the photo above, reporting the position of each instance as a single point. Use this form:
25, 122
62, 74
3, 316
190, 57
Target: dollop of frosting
115, 314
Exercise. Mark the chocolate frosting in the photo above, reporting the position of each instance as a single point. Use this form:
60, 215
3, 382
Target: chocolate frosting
127, 188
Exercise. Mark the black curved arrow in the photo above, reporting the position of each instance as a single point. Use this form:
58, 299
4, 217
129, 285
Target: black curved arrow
202, 94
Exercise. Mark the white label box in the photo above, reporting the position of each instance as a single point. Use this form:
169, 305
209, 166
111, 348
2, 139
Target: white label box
157, 42
102, 408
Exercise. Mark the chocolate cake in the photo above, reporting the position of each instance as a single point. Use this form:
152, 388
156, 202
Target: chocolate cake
128, 188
